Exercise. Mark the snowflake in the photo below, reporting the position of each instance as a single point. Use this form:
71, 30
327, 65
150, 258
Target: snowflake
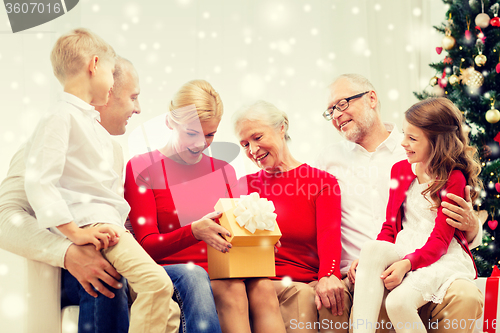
85, 198
286, 281
393, 184
13, 305
393, 94
104, 166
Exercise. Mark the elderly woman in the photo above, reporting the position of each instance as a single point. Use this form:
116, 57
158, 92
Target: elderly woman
307, 202
172, 192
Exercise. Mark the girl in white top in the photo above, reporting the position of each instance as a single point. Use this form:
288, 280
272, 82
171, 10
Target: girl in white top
417, 255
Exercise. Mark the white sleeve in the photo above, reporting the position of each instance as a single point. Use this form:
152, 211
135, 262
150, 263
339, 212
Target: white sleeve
319, 162
479, 237
45, 157
118, 161
20, 232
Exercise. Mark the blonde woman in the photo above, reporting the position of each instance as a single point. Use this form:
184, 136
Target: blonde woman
172, 192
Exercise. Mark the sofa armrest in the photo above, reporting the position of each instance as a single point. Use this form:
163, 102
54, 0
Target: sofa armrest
30, 295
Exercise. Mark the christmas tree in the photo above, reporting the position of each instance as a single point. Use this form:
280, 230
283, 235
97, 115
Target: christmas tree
469, 75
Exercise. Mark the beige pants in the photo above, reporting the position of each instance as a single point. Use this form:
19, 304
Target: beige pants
299, 310
153, 310
463, 300
462, 303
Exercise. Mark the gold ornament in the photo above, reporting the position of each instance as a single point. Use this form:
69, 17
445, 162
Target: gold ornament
453, 80
472, 78
433, 81
492, 116
480, 60
482, 20
437, 91
448, 42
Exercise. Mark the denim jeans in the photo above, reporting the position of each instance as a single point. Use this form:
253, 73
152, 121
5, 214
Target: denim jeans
97, 315
193, 293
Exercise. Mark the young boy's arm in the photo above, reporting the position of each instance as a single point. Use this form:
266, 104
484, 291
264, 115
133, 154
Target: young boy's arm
101, 236
45, 158
22, 235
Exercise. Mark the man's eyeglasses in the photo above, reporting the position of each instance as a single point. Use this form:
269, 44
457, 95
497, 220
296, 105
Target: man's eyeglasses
342, 105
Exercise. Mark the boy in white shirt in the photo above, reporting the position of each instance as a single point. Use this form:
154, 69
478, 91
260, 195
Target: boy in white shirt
72, 187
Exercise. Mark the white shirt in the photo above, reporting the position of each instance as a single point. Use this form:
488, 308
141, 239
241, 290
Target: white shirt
69, 169
364, 179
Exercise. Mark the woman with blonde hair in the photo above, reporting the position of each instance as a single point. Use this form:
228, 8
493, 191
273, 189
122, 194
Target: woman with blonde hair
172, 192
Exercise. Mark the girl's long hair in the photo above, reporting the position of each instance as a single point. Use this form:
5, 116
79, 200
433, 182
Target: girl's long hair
442, 123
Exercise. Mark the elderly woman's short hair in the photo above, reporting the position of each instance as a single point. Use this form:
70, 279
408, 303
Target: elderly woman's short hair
262, 111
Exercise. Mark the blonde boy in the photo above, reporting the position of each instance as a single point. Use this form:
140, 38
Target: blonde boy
72, 187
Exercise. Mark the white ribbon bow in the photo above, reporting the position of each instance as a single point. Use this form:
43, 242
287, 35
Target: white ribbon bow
255, 213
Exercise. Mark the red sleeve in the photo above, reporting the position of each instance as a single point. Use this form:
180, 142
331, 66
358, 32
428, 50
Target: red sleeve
143, 217
389, 227
438, 242
328, 217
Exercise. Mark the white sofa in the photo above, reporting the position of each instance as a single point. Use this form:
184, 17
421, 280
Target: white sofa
30, 297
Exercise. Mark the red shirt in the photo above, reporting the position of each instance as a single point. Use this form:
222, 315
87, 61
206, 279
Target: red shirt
165, 197
307, 202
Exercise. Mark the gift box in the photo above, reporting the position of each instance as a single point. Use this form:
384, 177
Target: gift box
489, 322
254, 232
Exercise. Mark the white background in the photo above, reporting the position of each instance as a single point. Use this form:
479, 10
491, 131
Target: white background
283, 51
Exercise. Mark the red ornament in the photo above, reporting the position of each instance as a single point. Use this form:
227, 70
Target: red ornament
467, 35
448, 60
493, 224
498, 68
497, 138
497, 187
480, 35
443, 82
495, 21
439, 50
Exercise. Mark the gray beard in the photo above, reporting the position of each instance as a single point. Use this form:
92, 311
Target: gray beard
361, 129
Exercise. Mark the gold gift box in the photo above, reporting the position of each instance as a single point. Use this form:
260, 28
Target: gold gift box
252, 255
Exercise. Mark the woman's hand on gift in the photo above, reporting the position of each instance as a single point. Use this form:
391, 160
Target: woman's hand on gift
330, 294
351, 273
393, 275
207, 230
277, 246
